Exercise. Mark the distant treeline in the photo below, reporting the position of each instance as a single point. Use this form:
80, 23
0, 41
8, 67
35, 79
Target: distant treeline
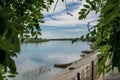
40, 40
34, 40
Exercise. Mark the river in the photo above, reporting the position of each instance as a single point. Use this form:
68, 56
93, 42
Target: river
36, 61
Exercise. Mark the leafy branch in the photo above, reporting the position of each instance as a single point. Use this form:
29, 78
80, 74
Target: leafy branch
106, 32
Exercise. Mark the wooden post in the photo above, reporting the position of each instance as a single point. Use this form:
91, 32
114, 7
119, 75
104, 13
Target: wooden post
92, 71
78, 76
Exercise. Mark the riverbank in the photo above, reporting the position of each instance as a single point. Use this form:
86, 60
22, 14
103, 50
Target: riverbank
40, 40
77, 67
34, 40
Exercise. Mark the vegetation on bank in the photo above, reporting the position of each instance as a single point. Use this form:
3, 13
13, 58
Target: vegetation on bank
34, 40
84, 38
40, 40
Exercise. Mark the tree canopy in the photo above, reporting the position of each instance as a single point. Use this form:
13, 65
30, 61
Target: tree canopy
106, 31
18, 19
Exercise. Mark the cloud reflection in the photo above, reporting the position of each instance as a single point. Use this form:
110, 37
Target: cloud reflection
34, 56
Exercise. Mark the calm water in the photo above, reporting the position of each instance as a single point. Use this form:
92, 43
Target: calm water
36, 61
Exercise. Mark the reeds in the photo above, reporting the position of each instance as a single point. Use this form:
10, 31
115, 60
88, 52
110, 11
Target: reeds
33, 74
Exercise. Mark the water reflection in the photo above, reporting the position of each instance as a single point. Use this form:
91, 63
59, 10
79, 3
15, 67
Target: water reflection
37, 61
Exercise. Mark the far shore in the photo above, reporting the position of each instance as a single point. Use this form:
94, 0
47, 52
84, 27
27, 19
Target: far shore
41, 40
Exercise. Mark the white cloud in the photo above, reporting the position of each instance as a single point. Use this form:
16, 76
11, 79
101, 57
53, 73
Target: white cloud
74, 30
60, 18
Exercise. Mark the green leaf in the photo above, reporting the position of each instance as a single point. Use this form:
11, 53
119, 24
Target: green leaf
108, 69
93, 5
11, 65
27, 36
11, 76
41, 21
109, 17
86, 6
75, 40
87, 36
83, 10
39, 33
88, 1
93, 32
81, 17
82, 37
16, 45
107, 66
87, 13
33, 34
109, 8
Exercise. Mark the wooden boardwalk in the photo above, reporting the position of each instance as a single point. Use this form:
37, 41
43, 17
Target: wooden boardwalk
77, 66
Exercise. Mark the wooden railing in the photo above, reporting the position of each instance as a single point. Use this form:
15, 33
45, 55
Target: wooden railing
90, 72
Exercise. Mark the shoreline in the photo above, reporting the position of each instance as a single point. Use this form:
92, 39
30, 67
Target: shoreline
77, 66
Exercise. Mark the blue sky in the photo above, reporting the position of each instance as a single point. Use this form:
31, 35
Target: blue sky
63, 31
59, 18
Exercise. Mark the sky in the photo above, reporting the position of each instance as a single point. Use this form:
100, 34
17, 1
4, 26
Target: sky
59, 18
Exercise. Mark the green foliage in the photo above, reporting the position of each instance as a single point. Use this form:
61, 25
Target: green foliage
106, 32
2, 77
18, 19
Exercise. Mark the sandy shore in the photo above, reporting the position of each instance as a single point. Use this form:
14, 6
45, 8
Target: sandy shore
82, 63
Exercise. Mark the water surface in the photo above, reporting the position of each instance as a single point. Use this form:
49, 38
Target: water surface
36, 61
